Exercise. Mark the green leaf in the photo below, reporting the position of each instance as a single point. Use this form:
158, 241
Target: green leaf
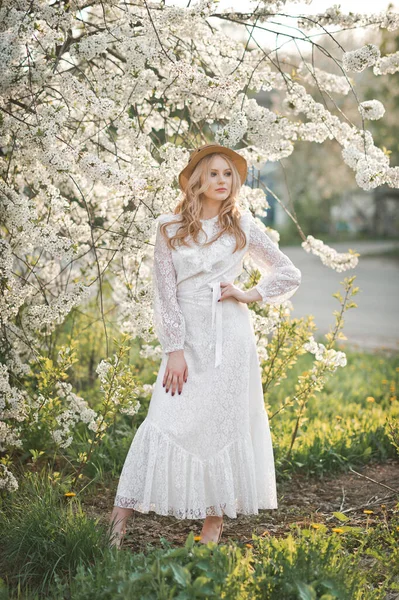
306, 592
200, 582
181, 574
340, 516
189, 541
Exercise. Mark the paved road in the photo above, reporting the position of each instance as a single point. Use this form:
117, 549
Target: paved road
375, 323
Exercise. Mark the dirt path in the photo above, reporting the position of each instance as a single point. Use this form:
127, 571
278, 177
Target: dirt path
301, 500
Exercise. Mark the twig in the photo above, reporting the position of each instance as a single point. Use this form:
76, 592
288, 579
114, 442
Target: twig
362, 506
374, 481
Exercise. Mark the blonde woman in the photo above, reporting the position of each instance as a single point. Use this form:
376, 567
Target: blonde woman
204, 448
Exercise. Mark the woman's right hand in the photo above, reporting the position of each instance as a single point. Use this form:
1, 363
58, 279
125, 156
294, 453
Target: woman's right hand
176, 372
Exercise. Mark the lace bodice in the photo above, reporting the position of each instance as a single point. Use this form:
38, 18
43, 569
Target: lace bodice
191, 268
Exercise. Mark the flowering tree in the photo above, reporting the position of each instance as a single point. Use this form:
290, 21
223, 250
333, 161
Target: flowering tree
100, 104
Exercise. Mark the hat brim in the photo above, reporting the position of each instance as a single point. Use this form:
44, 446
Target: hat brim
239, 162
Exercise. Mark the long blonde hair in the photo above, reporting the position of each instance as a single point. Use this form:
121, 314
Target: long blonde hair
189, 208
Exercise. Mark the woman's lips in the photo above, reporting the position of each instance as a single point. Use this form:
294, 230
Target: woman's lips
221, 190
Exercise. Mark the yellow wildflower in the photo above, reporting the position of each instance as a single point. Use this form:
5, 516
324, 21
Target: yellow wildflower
338, 417
368, 512
316, 525
69, 494
197, 538
384, 381
337, 529
392, 398
370, 399
248, 545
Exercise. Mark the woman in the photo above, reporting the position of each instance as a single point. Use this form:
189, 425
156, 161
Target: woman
205, 447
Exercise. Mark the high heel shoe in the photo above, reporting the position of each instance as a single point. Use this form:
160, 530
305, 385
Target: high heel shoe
220, 532
219, 536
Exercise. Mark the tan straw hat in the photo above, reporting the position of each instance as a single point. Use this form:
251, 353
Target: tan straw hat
239, 162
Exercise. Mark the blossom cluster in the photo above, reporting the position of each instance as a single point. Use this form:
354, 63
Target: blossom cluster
360, 59
387, 65
330, 358
339, 261
372, 109
77, 411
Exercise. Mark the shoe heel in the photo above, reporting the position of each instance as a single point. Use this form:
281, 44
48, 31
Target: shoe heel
220, 532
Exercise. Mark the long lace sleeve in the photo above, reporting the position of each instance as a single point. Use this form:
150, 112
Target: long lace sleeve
280, 278
168, 318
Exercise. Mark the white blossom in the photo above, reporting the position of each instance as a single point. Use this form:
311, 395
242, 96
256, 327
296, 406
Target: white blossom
7, 480
77, 410
339, 261
360, 59
329, 357
232, 133
372, 109
388, 64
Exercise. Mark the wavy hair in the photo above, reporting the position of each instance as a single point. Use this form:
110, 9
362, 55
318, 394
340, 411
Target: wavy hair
189, 208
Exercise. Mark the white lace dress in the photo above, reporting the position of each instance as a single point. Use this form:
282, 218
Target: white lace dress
207, 451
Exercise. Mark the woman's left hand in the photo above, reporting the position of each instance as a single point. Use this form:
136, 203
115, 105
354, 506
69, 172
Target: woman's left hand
229, 290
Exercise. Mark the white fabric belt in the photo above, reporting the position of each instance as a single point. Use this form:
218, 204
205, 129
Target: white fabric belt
217, 313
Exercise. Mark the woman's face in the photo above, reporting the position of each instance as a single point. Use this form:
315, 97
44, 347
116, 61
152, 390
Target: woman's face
219, 179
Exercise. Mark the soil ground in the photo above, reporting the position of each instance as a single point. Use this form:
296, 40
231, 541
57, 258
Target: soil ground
301, 500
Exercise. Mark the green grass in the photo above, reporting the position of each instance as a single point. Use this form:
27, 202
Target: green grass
52, 551
345, 424
43, 534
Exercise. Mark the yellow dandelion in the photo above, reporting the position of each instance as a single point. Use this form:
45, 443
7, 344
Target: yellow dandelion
69, 494
316, 525
383, 506
392, 387
338, 417
337, 529
368, 512
392, 398
248, 545
384, 381
197, 538
370, 399
265, 533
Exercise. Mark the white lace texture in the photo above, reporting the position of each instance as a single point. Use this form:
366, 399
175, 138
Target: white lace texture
207, 451
167, 315
280, 278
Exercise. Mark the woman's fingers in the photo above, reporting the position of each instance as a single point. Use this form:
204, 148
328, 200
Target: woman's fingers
174, 380
167, 379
